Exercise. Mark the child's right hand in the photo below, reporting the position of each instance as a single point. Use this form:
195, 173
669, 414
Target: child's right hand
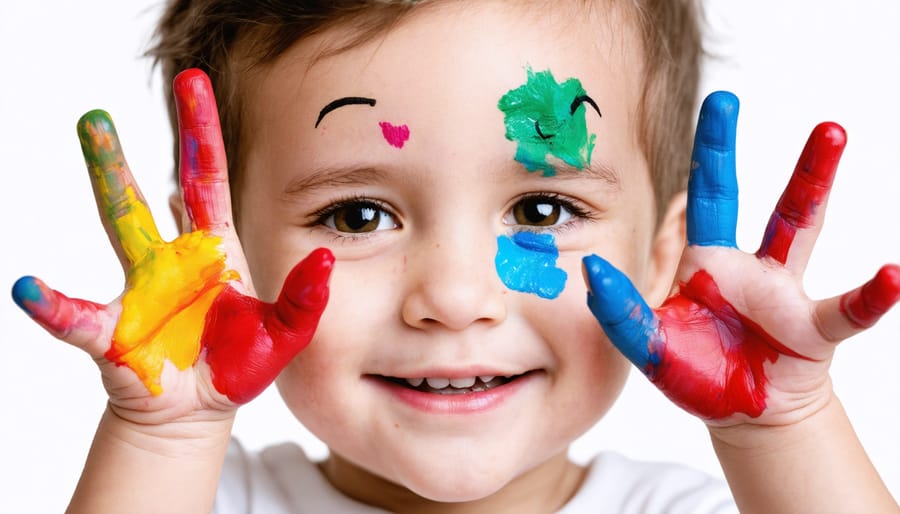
187, 339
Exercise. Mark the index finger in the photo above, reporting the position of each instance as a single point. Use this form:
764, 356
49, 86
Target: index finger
202, 166
124, 212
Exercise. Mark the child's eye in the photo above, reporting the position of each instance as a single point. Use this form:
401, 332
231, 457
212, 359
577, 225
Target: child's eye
356, 217
542, 210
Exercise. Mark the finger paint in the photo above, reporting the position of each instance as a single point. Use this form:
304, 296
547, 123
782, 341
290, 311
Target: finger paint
696, 348
865, 305
396, 136
715, 357
806, 191
117, 198
526, 263
249, 342
203, 169
546, 118
53, 310
168, 294
712, 206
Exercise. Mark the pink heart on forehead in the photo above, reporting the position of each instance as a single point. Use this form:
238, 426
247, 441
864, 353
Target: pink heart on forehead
394, 135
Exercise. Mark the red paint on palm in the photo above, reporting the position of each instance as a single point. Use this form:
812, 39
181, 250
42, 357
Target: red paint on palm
714, 357
864, 305
807, 190
248, 342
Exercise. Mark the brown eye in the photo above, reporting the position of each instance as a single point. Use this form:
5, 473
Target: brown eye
359, 217
537, 212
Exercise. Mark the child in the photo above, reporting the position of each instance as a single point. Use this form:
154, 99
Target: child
445, 272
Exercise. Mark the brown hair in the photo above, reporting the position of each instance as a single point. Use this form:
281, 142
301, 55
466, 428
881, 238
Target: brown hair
211, 34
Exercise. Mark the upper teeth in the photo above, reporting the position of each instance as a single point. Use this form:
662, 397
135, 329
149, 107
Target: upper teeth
441, 382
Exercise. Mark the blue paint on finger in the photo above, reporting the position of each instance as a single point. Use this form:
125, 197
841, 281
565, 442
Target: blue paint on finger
27, 291
712, 188
626, 318
526, 262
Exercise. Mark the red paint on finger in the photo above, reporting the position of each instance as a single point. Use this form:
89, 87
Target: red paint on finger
806, 192
55, 311
202, 164
714, 361
249, 342
865, 305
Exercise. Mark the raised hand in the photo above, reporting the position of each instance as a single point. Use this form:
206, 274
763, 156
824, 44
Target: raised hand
187, 319
739, 340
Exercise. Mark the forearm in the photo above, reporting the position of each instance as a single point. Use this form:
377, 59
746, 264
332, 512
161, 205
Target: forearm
172, 468
817, 465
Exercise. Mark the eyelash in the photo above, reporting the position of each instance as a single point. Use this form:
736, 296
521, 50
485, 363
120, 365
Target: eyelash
321, 216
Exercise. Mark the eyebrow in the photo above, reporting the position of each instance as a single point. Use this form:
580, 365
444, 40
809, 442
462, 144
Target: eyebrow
325, 178
340, 102
593, 171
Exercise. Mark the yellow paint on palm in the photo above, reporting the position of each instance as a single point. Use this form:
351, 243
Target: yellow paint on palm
169, 290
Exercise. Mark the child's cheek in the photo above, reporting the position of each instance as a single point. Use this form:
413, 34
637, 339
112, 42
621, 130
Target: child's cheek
526, 262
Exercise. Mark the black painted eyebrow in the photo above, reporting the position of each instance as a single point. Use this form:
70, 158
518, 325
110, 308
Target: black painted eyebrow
580, 100
340, 102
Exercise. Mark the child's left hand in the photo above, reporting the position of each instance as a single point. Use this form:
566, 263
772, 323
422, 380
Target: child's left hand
739, 341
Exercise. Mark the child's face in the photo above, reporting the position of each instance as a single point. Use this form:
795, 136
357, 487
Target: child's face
417, 290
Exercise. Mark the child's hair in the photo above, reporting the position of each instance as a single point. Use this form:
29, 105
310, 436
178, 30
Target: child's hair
226, 38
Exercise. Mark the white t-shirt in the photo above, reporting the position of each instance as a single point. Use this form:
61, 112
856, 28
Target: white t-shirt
282, 480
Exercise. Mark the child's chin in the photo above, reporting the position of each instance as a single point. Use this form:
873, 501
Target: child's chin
456, 483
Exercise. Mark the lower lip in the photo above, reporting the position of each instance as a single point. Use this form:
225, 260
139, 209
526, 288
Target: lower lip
467, 403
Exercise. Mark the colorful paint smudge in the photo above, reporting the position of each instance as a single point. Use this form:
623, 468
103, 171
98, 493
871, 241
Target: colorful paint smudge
178, 295
396, 136
526, 262
546, 118
697, 348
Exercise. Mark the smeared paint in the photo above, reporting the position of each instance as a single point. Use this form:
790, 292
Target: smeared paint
526, 263
396, 136
806, 191
712, 207
178, 297
54, 311
548, 118
865, 305
249, 342
697, 348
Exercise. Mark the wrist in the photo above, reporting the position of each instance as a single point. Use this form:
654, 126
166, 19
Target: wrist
194, 435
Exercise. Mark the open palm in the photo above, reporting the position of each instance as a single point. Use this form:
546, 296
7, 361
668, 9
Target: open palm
187, 333
739, 340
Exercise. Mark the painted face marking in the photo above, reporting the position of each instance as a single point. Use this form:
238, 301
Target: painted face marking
396, 136
526, 262
547, 118
340, 102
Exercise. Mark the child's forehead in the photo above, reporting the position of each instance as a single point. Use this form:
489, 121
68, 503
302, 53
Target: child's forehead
452, 55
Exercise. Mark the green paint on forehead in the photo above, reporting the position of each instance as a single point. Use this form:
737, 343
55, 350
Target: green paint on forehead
547, 118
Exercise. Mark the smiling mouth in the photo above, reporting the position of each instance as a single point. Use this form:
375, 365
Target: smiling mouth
439, 385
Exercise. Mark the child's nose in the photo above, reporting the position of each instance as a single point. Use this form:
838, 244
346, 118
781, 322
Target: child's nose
454, 284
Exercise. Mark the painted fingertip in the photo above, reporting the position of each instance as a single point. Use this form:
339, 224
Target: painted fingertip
831, 133
718, 119
313, 276
28, 292
97, 133
195, 101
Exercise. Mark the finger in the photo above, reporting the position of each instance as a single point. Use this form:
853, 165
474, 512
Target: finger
712, 187
124, 212
202, 166
78, 322
802, 205
627, 320
846, 315
249, 342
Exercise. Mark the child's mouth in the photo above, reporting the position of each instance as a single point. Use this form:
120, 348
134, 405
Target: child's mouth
438, 385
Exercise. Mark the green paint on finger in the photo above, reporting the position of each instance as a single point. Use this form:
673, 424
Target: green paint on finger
546, 118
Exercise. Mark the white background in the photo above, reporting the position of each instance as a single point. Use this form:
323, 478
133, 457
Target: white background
793, 64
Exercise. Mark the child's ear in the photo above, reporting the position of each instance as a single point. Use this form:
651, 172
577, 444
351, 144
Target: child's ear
668, 244
179, 213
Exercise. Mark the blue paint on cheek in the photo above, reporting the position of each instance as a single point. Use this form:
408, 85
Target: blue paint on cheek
526, 263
